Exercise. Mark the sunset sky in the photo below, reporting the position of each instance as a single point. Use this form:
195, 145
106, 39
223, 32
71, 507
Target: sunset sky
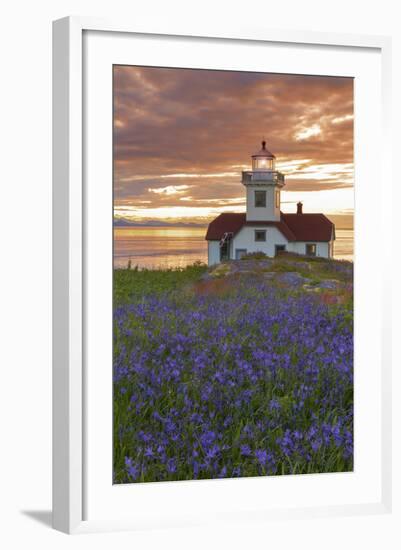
182, 138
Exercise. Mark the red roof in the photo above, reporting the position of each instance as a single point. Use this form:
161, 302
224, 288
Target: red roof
309, 227
225, 223
294, 227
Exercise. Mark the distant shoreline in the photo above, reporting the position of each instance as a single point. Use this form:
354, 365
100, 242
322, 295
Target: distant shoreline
341, 222
123, 223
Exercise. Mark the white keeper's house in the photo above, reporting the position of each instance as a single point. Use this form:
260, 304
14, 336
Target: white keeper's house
263, 227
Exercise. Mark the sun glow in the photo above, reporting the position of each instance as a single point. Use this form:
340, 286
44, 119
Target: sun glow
187, 213
328, 201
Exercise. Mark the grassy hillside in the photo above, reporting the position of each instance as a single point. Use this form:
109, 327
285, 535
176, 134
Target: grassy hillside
239, 370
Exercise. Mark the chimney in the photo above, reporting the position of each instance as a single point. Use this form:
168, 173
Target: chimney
299, 207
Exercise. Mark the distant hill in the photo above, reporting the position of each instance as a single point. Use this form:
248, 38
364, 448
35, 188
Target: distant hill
123, 222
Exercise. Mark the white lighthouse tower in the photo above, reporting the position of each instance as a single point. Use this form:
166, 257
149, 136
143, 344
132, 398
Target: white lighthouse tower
263, 186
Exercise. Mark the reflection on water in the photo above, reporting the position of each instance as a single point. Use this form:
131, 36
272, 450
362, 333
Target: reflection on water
155, 247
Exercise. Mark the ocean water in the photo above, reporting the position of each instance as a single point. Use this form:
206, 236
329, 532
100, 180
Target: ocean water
344, 244
156, 247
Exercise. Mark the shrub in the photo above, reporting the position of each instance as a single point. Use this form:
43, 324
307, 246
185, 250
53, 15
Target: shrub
254, 256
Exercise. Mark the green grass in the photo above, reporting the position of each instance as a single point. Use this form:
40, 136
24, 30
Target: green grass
133, 284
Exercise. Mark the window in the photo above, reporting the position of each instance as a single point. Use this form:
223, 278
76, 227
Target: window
260, 199
310, 249
260, 235
277, 199
263, 164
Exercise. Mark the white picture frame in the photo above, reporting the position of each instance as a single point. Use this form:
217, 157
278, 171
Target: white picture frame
70, 249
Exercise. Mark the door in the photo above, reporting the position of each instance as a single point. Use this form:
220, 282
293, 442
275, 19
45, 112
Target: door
279, 248
239, 252
225, 251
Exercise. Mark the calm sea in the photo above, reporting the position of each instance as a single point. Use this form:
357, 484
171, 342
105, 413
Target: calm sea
155, 247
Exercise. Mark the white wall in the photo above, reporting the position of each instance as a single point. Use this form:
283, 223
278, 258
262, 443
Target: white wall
245, 238
270, 213
213, 252
322, 249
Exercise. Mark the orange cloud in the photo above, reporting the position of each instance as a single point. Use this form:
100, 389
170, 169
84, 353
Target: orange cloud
196, 129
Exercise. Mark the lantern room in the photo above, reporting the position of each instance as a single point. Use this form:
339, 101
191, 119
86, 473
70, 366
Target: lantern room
263, 160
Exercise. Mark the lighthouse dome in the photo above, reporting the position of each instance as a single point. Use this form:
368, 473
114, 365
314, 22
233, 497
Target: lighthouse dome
263, 152
263, 159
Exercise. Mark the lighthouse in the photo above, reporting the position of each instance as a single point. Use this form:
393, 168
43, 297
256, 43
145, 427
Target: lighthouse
263, 227
263, 186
